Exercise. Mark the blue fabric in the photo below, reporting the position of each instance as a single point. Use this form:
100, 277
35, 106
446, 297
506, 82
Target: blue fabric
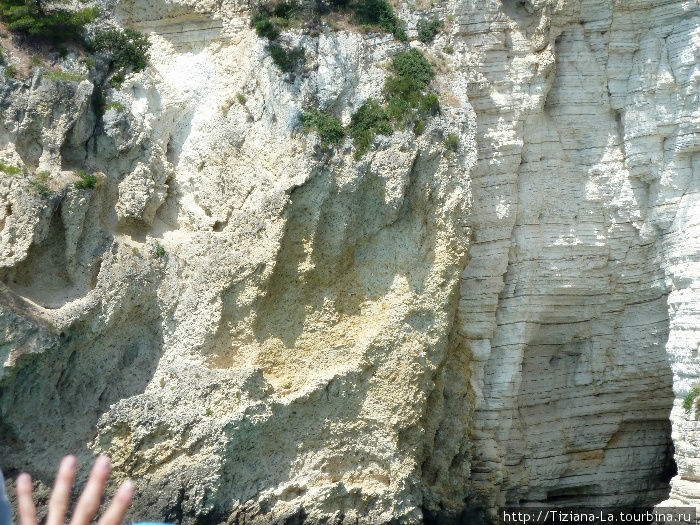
5, 511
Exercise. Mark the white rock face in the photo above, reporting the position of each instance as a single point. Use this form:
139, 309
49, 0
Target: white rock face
258, 330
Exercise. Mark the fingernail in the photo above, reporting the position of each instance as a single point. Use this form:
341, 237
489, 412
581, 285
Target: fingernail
24, 478
69, 462
102, 462
128, 486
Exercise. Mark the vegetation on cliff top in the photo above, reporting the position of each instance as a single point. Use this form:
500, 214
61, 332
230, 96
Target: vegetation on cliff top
379, 13
38, 19
408, 102
271, 19
268, 22
127, 50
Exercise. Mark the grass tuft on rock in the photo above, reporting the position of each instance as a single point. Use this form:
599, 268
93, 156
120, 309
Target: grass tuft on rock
10, 71
86, 181
40, 183
116, 105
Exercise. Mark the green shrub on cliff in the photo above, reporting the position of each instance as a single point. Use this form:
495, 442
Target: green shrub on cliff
10, 170
47, 21
412, 75
11, 71
127, 49
286, 59
269, 20
369, 120
406, 89
689, 399
409, 103
380, 13
452, 142
329, 128
428, 29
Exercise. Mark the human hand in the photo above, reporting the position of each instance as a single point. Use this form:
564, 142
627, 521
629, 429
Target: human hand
88, 503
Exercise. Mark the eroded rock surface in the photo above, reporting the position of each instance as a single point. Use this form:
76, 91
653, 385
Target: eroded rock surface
257, 329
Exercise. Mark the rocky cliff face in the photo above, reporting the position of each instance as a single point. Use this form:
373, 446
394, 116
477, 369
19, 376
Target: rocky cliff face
258, 330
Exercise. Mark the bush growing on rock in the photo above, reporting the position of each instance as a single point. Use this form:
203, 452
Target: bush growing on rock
369, 120
452, 142
47, 21
263, 25
419, 127
285, 59
380, 13
268, 20
127, 51
329, 128
406, 88
159, 251
412, 74
11, 71
285, 13
428, 29
408, 103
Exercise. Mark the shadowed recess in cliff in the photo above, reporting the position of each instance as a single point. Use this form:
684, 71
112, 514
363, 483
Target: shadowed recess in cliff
57, 268
62, 387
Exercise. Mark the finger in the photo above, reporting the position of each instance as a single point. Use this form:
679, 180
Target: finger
60, 495
90, 499
119, 506
25, 500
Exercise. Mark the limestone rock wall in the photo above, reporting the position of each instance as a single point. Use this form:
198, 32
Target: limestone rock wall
257, 330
